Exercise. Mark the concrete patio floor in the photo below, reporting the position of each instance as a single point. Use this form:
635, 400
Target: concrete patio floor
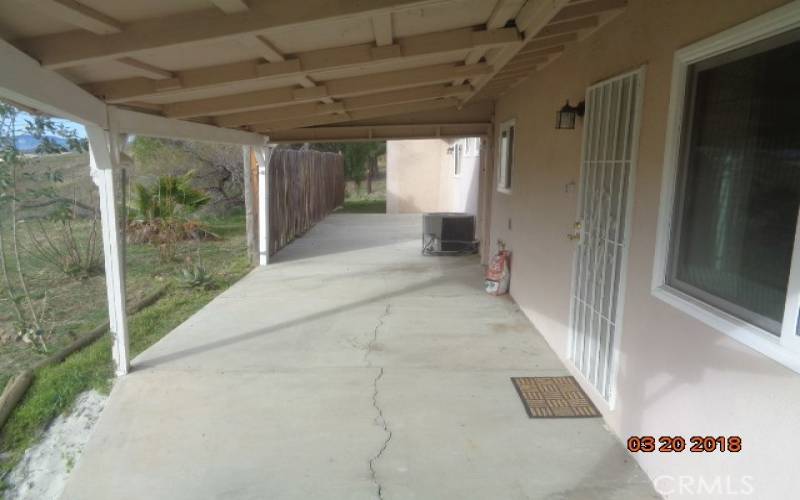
351, 367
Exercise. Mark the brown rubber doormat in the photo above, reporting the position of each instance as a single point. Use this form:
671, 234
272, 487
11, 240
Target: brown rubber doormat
554, 397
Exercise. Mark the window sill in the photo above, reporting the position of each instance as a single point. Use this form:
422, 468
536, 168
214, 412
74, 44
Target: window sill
741, 331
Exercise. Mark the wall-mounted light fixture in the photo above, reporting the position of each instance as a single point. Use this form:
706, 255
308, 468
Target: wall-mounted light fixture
565, 117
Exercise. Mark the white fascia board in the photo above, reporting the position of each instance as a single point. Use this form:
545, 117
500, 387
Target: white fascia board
132, 122
24, 81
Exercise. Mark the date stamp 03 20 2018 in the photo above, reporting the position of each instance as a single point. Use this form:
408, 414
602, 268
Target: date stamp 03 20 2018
678, 444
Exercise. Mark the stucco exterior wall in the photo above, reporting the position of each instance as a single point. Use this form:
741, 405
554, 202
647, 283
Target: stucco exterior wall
677, 376
412, 176
420, 177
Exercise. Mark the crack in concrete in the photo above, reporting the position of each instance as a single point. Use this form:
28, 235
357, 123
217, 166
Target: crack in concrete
374, 339
379, 419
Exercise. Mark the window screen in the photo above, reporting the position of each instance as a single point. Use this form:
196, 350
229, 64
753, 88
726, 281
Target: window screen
739, 187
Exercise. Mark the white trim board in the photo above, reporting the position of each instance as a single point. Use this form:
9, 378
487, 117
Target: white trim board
25, 82
133, 122
786, 349
511, 122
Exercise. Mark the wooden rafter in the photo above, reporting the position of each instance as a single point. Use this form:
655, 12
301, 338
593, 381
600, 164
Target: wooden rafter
148, 69
503, 12
531, 19
273, 55
382, 28
392, 109
348, 105
301, 64
547, 27
376, 132
378, 82
79, 47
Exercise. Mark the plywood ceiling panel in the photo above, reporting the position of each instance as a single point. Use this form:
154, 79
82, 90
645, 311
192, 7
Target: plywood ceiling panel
391, 65
19, 20
442, 17
322, 35
202, 55
134, 10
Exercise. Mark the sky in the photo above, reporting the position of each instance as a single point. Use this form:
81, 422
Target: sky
23, 116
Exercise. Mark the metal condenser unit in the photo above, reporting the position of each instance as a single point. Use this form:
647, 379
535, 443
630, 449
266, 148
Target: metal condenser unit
447, 233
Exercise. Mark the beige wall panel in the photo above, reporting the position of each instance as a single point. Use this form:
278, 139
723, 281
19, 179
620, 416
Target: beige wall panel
412, 175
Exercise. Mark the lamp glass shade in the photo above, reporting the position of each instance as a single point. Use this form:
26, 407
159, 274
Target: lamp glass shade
565, 117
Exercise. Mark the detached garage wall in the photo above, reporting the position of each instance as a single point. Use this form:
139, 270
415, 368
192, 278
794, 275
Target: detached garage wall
677, 376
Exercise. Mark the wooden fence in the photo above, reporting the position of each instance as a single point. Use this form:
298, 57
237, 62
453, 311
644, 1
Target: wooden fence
304, 187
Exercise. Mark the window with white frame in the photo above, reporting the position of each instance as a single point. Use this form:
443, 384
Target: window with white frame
728, 238
472, 147
458, 151
506, 151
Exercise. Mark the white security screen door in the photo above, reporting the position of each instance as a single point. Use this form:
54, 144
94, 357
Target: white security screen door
609, 147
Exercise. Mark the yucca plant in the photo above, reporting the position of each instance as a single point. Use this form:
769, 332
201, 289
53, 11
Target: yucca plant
196, 276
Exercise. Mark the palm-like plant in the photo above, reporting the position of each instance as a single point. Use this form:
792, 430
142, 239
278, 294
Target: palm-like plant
163, 211
171, 197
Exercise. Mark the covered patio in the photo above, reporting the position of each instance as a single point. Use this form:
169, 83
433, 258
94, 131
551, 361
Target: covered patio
351, 367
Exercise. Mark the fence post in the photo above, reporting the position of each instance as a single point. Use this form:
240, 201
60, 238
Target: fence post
249, 209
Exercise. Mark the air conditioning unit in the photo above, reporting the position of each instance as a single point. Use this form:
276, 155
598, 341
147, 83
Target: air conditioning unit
446, 233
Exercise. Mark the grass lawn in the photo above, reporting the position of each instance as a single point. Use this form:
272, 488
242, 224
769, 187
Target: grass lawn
78, 305
362, 206
358, 201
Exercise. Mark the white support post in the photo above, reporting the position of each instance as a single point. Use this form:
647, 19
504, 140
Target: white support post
104, 160
263, 155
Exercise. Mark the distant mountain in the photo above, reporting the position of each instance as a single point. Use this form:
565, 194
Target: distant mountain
27, 143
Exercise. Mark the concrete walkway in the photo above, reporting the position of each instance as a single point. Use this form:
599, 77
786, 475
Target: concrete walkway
350, 368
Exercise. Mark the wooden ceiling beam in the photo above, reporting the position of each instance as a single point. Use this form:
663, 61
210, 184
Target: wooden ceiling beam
392, 109
347, 105
73, 48
117, 91
79, 15
531, 19
415, 77
378, 82
304, 110
148, 69
352, 133
263, 47
382, 29
503, 12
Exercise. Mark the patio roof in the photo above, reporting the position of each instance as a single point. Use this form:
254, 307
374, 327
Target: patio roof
310, 70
